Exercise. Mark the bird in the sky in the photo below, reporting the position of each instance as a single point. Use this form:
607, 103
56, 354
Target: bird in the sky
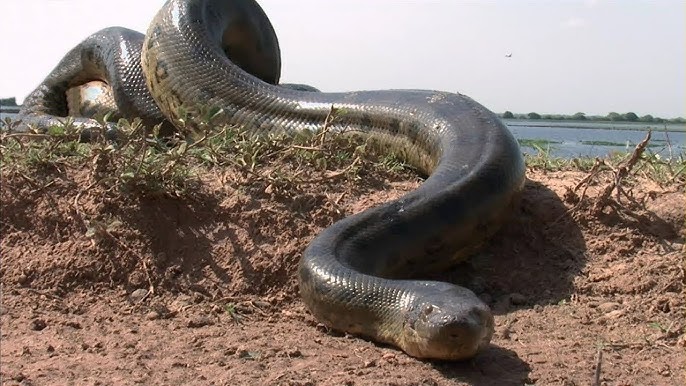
508, 55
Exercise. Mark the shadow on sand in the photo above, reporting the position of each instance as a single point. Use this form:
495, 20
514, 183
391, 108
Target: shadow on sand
531, 261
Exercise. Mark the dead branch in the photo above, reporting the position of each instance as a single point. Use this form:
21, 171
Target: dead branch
619, 174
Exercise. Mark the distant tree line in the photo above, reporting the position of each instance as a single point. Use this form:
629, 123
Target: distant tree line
8, 101
611, 117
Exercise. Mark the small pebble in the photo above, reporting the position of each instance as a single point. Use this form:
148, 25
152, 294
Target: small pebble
38, 324
181, 303
152, 315
608, 306
294, 353
138, 295
616, 314
199, 321
322, 327
245, 354
73, 324
429, 382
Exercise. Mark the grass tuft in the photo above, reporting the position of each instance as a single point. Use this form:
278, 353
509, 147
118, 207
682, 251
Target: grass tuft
651, 165
141, 162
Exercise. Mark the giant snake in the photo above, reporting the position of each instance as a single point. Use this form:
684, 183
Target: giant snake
360, 275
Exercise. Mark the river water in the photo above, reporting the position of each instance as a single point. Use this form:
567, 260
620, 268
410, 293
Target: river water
597, 139
587, 139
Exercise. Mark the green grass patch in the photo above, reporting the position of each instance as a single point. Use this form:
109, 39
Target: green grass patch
602, 143
142, 162
660, 168
536, 143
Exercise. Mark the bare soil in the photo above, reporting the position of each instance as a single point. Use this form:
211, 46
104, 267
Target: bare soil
103, 287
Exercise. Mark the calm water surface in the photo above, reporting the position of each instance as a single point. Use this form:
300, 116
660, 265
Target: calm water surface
570, 142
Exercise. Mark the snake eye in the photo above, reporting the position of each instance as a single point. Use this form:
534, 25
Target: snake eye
428, 309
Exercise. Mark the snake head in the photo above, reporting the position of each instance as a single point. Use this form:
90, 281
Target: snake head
447, 323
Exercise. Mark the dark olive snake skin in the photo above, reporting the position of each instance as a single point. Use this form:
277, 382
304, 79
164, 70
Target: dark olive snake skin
358, 275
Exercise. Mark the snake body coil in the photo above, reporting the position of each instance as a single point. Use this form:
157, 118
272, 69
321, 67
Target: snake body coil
359, 274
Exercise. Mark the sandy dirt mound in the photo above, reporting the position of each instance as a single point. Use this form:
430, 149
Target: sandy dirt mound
102, 287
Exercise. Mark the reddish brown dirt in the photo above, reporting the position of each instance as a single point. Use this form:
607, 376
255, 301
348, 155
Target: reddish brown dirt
564, 284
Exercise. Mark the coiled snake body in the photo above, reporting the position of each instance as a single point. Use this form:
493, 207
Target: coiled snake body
359, 274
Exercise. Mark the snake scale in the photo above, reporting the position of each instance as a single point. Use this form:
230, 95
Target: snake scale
360, 275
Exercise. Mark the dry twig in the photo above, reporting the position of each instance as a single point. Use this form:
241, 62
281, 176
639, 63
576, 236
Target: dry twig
598, 363
619, 174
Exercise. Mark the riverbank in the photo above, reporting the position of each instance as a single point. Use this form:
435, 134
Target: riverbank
641, 126
9, 109
583, 139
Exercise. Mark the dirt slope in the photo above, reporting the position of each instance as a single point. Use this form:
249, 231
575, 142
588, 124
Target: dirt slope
77, 265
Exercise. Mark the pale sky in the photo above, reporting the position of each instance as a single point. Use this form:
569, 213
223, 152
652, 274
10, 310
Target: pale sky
567, 56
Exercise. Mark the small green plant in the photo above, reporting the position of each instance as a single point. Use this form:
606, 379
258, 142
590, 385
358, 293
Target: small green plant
543, 159
230, 309
657, 326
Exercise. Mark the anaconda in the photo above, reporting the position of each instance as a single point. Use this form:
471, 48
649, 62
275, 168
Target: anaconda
362, 274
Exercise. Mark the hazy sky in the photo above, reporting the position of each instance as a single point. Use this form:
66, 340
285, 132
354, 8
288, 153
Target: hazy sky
567, 56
